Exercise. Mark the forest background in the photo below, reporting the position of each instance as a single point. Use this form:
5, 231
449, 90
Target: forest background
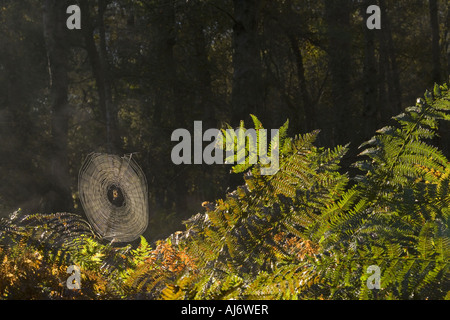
138, 70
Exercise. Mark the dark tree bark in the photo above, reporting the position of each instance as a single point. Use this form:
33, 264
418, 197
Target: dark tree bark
58, 196
168, 107
294, 28
114, 144
435, 48
337, 15
166, 82
394, 105
247, 95
23, 184
370, 78
308, 109
101, 70
204, 78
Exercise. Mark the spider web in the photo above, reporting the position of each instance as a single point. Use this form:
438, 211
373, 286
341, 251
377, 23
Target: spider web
104, 178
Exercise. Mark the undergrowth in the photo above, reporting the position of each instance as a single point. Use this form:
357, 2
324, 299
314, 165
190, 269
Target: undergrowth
307, 232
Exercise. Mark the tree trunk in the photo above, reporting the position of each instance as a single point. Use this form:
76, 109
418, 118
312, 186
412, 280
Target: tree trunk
247, 94
168, 105
100, 69
114, 144
304, 117
204, 78
370, 75
58, 196
392, 73
435, 48
309, 116
337, 15
165, 41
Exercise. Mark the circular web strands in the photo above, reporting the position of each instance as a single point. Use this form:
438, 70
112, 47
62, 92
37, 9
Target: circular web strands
113, 193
